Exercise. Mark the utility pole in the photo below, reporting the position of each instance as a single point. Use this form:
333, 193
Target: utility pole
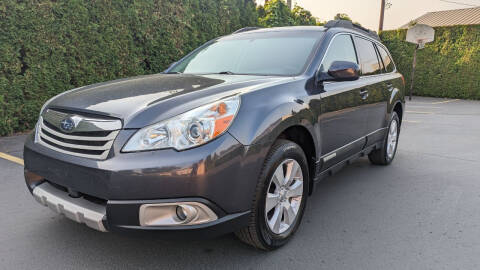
382, 16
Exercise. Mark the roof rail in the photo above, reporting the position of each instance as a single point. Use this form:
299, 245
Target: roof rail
246, 29
351, 25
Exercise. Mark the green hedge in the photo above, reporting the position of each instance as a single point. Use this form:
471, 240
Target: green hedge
448, 67
49, 46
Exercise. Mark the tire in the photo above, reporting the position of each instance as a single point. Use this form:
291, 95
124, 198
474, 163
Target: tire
385, 155
261, 233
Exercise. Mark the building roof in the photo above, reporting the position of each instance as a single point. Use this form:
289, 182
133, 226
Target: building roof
467, 16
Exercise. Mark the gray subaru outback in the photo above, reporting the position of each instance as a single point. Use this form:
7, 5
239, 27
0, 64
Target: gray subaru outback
231, 138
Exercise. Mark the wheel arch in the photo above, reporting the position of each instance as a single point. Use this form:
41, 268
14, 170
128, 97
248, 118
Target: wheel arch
304, 138
396, 102
398, 108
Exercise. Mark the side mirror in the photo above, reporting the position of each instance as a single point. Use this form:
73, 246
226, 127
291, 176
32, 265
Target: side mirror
341, 71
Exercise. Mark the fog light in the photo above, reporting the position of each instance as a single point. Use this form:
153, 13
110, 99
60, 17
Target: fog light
175, 214
186, 213
181, 215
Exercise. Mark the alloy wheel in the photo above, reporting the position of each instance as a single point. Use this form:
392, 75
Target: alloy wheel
284, 196
392, 139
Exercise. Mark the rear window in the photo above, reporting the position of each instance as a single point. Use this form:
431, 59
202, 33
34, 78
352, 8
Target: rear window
387, 61
368, 57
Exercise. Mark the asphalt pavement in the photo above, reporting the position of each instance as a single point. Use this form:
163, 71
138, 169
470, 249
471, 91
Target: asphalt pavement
422, 212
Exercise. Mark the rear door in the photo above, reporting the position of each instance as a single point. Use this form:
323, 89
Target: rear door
343, 118
376, 101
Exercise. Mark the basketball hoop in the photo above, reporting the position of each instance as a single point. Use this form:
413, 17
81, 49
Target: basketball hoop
419, 34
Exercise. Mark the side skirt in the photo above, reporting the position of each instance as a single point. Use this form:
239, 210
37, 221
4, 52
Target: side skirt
339, 166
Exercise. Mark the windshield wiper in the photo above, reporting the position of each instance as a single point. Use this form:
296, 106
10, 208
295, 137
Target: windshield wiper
173, 72
226, 72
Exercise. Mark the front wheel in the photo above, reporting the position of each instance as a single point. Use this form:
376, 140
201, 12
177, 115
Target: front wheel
386, 154
280, 198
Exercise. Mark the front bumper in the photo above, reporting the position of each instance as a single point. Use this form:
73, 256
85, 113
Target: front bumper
93, 214
221, 174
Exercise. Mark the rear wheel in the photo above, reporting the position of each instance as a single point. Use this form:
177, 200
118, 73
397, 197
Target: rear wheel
386, 154
280, 198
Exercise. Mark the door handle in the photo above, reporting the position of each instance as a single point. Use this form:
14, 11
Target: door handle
389, 86
364, 93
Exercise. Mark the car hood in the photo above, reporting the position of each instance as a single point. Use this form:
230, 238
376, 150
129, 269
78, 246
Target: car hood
144, 100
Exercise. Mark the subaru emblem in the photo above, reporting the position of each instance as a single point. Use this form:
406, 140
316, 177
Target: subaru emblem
68, 124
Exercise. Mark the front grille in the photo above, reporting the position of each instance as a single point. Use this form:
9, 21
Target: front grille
85, 134
91, 143
92, 138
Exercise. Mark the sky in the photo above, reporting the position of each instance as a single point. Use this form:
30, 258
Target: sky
367, 12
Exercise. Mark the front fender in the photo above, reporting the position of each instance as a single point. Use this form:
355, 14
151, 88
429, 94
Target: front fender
264, 115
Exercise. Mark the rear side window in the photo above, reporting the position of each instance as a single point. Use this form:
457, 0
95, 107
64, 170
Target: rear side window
341, 49
368, 57
387, 61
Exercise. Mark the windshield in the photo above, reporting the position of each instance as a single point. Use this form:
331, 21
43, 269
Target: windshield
271, 53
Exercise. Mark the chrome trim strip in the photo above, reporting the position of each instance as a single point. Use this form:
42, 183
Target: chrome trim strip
110, 136
348, 144
77, 146
329, 157
85, 124
378, 130
76, 209
340, 148
102, 156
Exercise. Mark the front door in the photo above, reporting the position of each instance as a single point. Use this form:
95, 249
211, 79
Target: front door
343, 117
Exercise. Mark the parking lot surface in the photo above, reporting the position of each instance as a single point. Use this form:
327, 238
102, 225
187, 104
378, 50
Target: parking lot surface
422, 212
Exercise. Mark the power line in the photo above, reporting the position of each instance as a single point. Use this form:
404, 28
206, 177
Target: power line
459, 3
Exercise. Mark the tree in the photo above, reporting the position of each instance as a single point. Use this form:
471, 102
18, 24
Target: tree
342, 16
261, 12
276, 13
248, 13
302, 16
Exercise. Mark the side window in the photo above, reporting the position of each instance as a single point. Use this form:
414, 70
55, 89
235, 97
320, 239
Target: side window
382, 67
368, 57
387, 61
341, 49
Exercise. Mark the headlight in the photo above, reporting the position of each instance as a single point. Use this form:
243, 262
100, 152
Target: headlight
187, 130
